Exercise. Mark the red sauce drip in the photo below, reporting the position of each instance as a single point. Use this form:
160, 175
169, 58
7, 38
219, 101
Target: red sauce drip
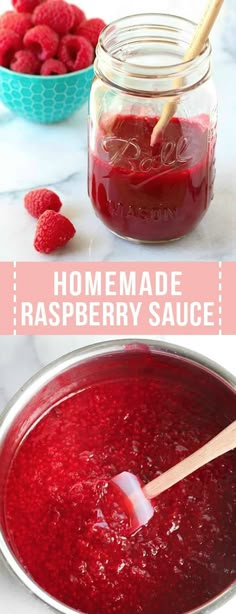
150, 194
68, 531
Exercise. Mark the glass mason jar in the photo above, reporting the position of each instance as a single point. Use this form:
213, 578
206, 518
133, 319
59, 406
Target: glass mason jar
143, 193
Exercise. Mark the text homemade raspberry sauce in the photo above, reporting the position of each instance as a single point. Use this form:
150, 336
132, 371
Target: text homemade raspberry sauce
67, 529
150, 194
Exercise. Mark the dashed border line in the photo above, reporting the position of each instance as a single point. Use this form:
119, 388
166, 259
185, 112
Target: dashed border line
14, 299
220, 297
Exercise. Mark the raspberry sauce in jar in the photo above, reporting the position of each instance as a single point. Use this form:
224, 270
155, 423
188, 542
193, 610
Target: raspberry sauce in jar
141, 411
151, 194
143, 193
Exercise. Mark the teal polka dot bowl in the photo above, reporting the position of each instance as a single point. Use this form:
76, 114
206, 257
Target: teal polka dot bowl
45, 100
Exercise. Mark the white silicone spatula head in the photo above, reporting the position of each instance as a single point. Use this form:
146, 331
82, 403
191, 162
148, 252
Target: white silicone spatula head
136, 498
136, 505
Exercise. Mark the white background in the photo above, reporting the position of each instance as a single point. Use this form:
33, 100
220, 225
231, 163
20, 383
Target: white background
112, 9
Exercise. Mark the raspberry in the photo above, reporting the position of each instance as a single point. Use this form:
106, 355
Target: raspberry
75, 52
25, 61
10, 42
91, 29
79, 16
53, 67
17, 22
42, 41
53, 230
26, 6
38, 201
56, 14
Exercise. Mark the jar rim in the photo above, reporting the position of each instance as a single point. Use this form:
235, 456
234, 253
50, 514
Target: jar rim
206, 51
119, 46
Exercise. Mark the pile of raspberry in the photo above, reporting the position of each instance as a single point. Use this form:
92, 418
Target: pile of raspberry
53, 230
47, 37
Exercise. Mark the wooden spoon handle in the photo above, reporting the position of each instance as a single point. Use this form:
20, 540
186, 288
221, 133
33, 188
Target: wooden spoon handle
203, 29
200, 37
222, 443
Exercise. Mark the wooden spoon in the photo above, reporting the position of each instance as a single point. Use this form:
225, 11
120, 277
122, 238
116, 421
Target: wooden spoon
200, 38
137, 498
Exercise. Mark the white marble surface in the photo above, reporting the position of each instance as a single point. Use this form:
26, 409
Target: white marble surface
56, 156
20, 358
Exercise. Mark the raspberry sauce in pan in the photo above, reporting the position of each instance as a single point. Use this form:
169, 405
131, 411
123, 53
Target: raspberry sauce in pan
66, 527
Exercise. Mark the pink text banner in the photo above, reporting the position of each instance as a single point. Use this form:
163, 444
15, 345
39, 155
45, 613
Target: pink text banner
124, 298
